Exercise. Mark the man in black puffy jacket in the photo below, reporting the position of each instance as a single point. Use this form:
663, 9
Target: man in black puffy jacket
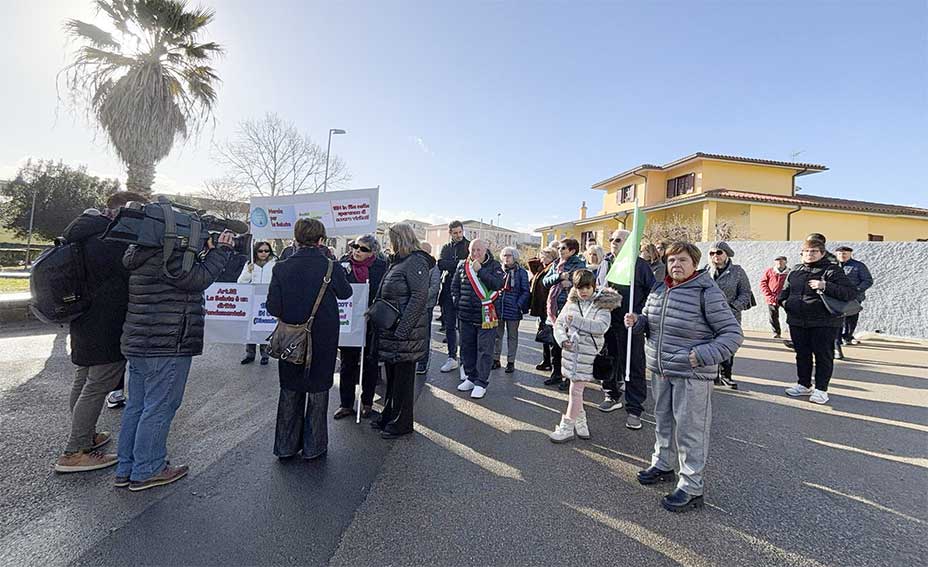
480, 274
95, 336
162, 333
448, 259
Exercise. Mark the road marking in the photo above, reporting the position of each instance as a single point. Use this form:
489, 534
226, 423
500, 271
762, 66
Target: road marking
782, 556
864, 501
916, 461
746, 442
666, 547
809, 406
537, 405
646, 462
488, 464
496, 420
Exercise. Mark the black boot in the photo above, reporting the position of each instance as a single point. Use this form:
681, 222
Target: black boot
554, 380
564, 385
510, 367
679, 501
654, 475
496, 365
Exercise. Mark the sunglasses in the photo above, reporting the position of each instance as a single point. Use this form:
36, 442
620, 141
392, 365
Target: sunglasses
361, 248
616, 240
264, 251
716, 252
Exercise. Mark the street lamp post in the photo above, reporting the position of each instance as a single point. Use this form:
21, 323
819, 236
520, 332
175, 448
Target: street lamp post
328, 149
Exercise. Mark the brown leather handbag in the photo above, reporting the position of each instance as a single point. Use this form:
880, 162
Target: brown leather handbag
294, 343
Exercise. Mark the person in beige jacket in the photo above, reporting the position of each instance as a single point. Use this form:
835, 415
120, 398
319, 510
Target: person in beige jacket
580, 330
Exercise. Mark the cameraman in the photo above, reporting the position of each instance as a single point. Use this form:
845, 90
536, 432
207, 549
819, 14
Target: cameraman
163, 331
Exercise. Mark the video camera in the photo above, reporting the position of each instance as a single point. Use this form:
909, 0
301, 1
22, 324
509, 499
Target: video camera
147, 224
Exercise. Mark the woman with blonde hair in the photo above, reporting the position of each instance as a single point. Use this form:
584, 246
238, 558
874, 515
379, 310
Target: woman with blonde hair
596, 262
405, 291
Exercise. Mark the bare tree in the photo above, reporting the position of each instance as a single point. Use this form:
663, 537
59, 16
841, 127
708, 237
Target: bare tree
271, 157
227, 198
689, 229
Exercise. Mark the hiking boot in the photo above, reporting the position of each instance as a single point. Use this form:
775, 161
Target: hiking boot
83, 462
633, 421
581, 427
343, 412
449, 365
167, 475
798, 390
654, 475
496, 364
564, 431
609, 404
510, 367
679, 501
115, 399
544, 367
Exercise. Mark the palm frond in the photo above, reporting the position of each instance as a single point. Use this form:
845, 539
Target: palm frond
90, 33
117, 11
202, 50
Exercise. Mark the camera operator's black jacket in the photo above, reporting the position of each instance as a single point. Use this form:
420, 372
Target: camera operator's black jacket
165, 317
95, 334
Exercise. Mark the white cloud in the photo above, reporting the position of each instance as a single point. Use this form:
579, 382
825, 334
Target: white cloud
392, 215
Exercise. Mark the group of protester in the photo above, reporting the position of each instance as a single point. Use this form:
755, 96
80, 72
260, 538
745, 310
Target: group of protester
682, 332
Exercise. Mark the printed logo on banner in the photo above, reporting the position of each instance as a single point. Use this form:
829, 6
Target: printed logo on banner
259, 217
226, 303
351, 212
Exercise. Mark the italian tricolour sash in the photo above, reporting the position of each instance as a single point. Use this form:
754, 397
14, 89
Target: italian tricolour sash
490, 320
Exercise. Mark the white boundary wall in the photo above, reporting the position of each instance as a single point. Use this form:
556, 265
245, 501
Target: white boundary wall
897, 304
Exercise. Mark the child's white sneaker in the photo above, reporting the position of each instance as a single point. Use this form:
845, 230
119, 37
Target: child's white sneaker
564, 431
581, 427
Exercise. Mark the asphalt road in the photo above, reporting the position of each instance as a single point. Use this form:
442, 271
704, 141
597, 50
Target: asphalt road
789, 483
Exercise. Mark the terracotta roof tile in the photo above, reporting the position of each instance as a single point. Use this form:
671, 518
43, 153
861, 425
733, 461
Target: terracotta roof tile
819, 202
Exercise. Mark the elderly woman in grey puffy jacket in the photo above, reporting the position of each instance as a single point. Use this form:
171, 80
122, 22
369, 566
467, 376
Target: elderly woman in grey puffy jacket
580, 331
734, 283
690, 330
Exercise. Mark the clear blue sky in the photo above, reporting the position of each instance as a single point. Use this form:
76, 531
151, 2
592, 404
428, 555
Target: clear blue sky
471, 109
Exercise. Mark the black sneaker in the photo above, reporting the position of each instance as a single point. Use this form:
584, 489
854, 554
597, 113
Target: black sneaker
564, 385
544, 367
609, 404
264, 361
679, 501
248, 360
510, 368
421, 369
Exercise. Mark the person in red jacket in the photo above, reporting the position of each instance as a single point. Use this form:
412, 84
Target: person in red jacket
771, 283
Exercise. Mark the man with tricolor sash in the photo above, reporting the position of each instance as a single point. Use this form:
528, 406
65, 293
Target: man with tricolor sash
474, 288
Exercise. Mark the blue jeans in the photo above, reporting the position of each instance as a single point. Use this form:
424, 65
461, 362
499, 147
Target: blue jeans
156, 389
449, 314
477, 348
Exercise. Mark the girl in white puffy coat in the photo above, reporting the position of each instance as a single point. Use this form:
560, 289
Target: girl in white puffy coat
580, 330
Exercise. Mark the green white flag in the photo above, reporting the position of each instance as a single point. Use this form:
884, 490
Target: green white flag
622, 271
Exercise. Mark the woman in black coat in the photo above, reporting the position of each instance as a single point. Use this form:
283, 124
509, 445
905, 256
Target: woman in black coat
812, 327
405, 287
362, 265
294, 287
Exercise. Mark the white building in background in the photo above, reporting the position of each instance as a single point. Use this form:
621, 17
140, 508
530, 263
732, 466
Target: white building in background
497, 236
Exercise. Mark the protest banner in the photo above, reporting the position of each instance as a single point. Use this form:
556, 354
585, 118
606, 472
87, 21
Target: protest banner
344, 213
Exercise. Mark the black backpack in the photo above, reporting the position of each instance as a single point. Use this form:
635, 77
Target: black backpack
58, 283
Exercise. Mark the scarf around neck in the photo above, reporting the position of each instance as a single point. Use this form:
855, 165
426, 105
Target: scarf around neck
361, 270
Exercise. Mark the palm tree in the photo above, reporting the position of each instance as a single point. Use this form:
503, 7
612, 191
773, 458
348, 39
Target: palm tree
147, 83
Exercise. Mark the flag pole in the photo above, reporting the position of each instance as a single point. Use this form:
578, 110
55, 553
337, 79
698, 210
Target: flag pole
359, 389
631, 301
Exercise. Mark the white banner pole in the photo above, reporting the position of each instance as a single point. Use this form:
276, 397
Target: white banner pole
359, 389
631, 303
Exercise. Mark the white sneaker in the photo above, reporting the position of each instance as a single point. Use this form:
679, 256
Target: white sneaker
563, 432
449, 365
466, 386
819, 397
581, 427
798, 390
478, 392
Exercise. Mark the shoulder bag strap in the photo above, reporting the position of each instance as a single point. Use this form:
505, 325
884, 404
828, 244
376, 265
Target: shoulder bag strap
325, 285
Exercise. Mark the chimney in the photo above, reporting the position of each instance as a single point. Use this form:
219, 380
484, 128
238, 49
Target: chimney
583, 210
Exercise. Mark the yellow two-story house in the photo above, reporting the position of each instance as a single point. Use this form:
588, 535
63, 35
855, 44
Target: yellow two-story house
742, 198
